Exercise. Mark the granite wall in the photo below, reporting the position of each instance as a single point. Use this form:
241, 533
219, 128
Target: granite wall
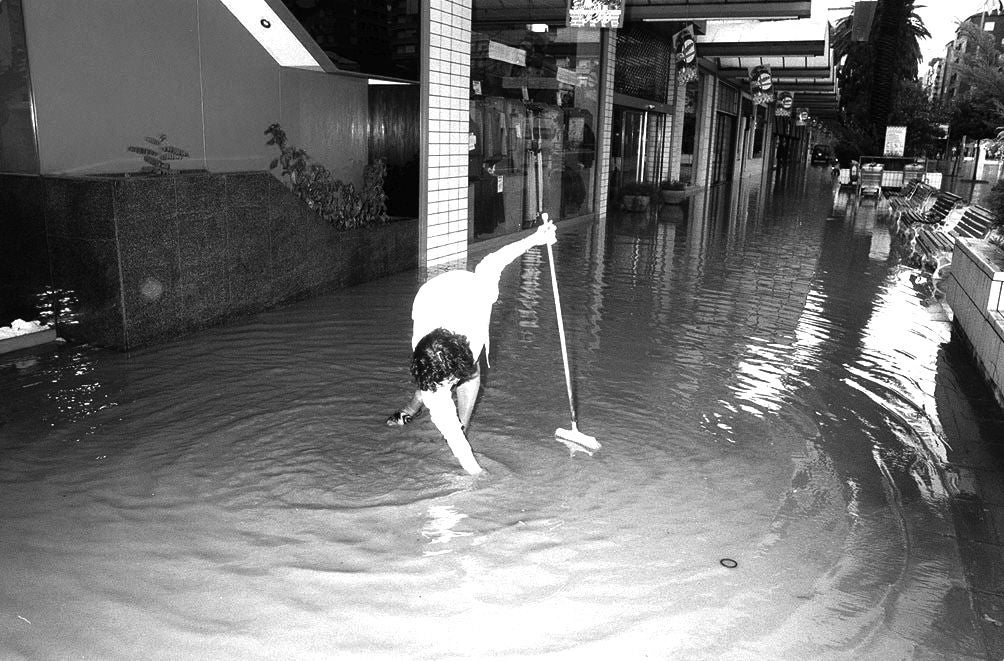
24, 261
139, 260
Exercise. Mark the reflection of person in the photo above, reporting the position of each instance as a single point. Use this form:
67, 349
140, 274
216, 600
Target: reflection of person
451, 315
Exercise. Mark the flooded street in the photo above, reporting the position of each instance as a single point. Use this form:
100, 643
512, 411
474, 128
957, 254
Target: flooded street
776, 397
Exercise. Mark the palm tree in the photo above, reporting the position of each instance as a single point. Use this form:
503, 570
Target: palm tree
872, 72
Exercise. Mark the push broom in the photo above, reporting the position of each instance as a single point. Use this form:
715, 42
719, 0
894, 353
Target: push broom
573, 434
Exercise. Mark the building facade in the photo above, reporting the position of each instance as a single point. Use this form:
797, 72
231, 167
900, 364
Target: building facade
487, 114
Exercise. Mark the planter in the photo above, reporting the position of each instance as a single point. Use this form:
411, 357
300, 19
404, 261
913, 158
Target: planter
677, 196
150, 258
27, 340
974, 290
635, 202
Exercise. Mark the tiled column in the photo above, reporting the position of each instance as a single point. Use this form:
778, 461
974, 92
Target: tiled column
705, 128
446, 72
678, 96
666, 159
605, 123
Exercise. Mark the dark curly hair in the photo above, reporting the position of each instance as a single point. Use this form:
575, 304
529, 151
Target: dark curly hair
441, 355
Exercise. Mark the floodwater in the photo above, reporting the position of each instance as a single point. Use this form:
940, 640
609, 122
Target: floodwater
763, 388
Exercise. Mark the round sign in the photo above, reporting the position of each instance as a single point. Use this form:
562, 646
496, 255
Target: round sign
688, 50
786, 101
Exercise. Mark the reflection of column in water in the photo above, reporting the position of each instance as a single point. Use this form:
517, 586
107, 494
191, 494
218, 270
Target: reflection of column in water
841, 198
881, 244
528, 295
864, 219
662, 301
596, 254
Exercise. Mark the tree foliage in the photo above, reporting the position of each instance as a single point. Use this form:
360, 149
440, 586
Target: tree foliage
874, 73
978, 109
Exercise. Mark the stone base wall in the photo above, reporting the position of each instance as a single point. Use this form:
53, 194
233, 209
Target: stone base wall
139, 260
974, 289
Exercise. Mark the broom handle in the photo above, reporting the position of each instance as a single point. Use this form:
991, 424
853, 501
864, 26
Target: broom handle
561, 333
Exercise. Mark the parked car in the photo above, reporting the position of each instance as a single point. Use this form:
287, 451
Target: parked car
821, 155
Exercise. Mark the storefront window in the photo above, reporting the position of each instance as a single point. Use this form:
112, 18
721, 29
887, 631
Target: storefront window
532, 143
689, 130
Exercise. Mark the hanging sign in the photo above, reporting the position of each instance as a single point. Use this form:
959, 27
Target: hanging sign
685, 47
801, 116
895, 140
785, 100
567, 76
505, 53
761, 85
595, 13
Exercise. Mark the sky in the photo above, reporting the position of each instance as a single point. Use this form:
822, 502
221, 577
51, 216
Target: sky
941, 18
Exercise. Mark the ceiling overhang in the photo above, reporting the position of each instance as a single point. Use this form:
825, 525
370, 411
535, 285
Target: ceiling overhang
555, 11
274, 27
791, 38
694, 10
815, 66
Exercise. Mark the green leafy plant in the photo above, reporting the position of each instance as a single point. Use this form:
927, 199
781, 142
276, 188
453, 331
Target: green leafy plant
158, 156
994, 201
337, 202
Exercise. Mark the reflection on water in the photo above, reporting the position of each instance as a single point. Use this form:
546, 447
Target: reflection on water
755, 363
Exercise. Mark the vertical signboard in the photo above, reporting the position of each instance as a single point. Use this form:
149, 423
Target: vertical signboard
685, 47
761, 84
895, 140
595, 13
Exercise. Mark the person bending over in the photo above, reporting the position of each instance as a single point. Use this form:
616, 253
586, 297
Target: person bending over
451, 315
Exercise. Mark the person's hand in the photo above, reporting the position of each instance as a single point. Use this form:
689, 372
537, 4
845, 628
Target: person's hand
545, 234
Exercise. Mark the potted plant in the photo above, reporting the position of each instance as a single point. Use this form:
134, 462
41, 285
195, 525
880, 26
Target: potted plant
674, 191
636, 195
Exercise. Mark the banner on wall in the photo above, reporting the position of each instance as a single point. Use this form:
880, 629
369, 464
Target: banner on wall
685, 47
895, 141
785, 101
761, 84
595, 13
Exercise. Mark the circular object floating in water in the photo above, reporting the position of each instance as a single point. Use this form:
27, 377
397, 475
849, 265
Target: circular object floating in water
728, 563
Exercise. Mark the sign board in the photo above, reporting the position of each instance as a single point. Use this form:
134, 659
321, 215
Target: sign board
895, 140
595, 13
567, 76
508, 54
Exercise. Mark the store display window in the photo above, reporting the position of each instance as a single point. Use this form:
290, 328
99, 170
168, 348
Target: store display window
532, 142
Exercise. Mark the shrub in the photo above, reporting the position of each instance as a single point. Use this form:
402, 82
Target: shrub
994, 201
336, 201
675, 184
157, 159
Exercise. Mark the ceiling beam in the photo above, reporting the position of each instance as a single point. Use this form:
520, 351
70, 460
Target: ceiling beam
692, 10
760, 48
783, 72
555, 11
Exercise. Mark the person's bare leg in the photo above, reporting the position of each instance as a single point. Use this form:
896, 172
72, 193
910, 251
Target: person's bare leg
405, 415
467, 395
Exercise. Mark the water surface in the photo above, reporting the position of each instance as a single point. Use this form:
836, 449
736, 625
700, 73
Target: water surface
759, 367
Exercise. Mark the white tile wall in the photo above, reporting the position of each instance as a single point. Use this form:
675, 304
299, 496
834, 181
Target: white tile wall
449, 62
973, 292
606, 111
